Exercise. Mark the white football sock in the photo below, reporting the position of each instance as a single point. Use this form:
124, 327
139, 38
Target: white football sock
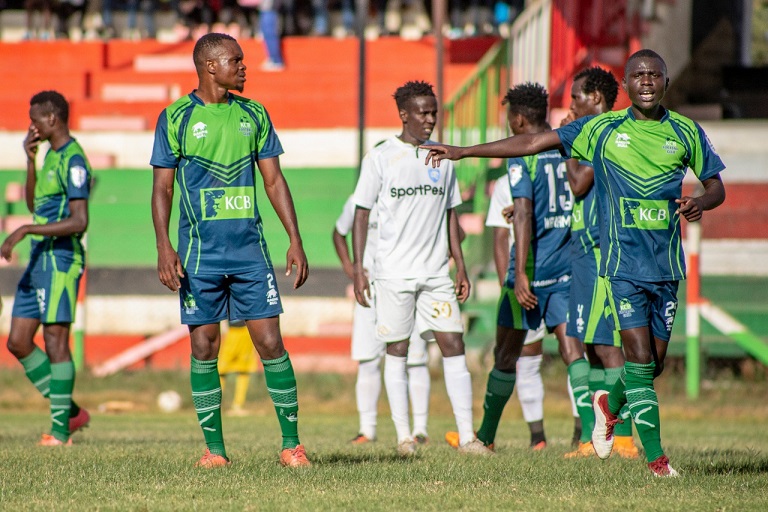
418, 390
396, 382
573, 402
367, 391
458, 383
530, 387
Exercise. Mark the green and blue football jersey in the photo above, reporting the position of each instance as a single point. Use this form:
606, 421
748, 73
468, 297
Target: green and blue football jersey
214, 149
542, 179
65, 175
639, 169
585, 230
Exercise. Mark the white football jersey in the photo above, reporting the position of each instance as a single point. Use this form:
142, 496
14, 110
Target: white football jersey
344, 227
413, 199
501, 197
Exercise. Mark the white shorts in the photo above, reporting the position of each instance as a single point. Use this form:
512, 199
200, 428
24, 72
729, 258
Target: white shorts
365, 346
432, 299
537, 335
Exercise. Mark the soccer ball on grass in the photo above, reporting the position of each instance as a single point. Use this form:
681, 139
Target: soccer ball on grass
169, 401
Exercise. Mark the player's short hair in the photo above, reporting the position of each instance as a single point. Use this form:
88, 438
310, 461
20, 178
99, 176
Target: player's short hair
529, 99
599, 79
410, 90
645, 53
205, 44
52, 101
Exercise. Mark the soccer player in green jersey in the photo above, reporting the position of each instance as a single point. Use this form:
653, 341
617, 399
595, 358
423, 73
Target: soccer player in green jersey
57, 196
593, 92
640, 156
213, 142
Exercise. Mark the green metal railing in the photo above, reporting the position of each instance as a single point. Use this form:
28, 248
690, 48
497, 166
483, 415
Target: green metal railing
474, 116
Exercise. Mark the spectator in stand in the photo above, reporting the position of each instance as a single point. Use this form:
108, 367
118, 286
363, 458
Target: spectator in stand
148, 7
45, 8
270, 30
64, 12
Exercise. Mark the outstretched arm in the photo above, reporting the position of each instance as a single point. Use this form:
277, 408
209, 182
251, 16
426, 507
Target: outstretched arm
280, 196
519, 145
169, 268
455, 235
693, 207
359, 237
580, 177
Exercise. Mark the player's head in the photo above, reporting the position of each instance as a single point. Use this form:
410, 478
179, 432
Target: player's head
645, 79
219, 60
594, 91
417, 107
48, 111
526, 103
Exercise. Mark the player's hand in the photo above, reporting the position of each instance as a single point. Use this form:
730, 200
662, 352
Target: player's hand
31, 142
169, 268
14, 238
462, 285
440, 152
362, 288
298, 258
523, 292
508, 213
567, 119
689, 208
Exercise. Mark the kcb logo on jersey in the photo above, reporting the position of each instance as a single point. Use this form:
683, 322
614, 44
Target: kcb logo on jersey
670, 146
245, 127
190, 304
625, 308
644, 213
227, 203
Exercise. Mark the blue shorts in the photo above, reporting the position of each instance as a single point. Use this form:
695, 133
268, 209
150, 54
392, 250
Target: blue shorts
588, 308
639, 304
211, 298
48, 289
552, 308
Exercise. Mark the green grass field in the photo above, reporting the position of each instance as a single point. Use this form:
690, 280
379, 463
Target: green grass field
143, 460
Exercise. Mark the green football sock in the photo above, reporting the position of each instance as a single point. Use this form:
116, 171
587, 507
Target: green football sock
281, 385
644, 406
597, 378
37, 367
499, 389
578, 371
62, 383
621, 429
206, 395
617, 397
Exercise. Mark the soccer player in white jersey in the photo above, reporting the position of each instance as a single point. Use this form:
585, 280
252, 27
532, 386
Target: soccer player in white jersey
418, 229
369, 351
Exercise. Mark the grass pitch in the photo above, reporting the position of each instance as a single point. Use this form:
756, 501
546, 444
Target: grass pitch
143, 460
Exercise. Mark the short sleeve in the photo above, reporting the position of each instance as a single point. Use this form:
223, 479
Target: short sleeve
368, 185
575, 140
500, 199
165, 150
520, 179
78, 178
454, 194
347, 218
706, 162
267, 143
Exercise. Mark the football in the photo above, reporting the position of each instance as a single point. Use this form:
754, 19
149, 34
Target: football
169, 401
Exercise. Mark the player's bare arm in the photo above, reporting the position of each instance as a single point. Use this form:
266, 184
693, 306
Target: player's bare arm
169, 268
692, 208
31, 143
501, 252
580, 177
342, 251
519, 145
359, 237
454, 245
523, 226
77, 222
280, 196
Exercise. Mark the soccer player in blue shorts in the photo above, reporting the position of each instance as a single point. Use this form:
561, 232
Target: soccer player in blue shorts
539, 272
57, 196
640, 156
593, 92
212, 142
